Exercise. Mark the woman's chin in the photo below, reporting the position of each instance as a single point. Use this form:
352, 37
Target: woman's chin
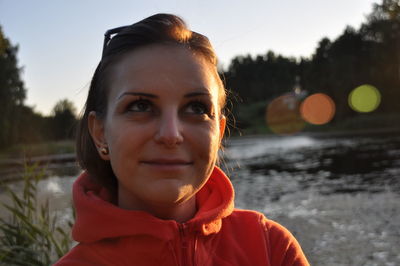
172, 192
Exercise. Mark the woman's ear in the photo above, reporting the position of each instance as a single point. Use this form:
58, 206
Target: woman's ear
96, 130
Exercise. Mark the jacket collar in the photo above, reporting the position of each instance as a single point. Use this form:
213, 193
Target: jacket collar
97, 218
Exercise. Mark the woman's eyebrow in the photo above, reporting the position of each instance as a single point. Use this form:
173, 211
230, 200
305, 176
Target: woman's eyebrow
195, 94
188, 95
138, 94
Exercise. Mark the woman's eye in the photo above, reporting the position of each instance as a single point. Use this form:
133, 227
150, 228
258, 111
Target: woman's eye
196, 108
140, 106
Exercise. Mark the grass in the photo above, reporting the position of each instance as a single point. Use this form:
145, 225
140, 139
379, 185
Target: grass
31, 235
38, 149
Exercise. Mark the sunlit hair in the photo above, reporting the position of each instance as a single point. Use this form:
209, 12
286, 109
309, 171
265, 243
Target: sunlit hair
157, 29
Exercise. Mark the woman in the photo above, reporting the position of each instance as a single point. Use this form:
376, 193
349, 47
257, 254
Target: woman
148, 140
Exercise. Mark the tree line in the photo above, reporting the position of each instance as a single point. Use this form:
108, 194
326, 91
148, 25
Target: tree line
368, 55
19, 123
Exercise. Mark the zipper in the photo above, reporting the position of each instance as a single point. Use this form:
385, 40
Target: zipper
184, 245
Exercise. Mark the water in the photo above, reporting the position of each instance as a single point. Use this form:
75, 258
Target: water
271, 167
338, 195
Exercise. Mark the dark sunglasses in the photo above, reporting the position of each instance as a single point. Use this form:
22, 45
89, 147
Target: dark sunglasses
108, 36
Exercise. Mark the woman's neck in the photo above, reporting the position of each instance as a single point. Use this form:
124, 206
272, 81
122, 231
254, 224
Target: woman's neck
179, 212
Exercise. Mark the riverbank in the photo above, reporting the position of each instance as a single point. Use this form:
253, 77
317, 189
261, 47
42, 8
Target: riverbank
360, 122
57, 164
27, 151
49, 155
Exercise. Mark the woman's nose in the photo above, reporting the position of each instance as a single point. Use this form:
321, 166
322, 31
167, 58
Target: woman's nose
169, 130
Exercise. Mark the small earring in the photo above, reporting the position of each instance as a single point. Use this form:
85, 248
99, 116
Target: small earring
104, 150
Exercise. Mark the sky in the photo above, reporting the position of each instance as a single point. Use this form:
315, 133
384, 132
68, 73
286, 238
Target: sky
60, 41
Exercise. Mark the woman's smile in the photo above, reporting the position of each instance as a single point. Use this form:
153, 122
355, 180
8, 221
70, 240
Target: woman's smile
167, 164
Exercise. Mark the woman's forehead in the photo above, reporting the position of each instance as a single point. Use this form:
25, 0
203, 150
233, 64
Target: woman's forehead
163, 68
163, 56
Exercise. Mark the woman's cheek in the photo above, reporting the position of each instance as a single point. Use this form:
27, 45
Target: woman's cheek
208, 139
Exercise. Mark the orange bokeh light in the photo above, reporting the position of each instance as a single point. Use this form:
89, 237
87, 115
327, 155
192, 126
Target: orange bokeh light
283, 115
318, 109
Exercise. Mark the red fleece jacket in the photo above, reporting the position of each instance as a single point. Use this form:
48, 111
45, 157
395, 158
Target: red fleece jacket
217, 235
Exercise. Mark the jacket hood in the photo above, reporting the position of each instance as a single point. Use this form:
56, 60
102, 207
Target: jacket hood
97, 218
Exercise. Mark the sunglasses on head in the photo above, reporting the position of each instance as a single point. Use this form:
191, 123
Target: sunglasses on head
109, 34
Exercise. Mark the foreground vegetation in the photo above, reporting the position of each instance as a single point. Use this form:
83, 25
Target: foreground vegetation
30, 233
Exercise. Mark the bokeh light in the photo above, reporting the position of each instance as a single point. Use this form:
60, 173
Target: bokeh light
318, 109
283, 116
365, 98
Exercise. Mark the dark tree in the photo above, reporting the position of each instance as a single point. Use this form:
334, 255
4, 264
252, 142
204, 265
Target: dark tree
63, 120
12, 92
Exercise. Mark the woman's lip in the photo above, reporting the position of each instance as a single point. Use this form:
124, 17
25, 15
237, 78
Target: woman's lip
164, 161
167, 165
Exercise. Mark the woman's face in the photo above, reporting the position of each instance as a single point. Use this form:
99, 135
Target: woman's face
163, 126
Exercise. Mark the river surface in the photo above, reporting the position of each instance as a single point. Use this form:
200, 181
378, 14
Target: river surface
340, 196
268, 168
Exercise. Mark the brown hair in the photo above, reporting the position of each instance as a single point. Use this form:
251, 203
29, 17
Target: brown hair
157, 29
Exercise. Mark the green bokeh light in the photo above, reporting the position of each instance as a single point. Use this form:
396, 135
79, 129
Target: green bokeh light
364, 99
